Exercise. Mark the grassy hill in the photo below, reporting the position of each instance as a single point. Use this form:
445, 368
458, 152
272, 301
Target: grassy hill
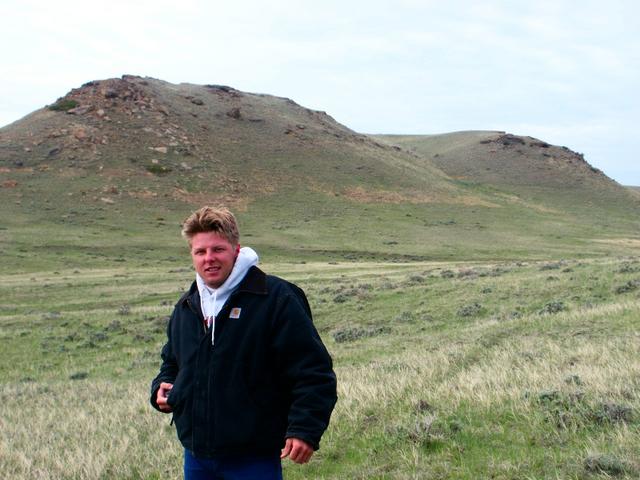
499, 158
525, 166
110, 170
483, 323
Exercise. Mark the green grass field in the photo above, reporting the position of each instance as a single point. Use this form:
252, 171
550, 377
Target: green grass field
480, 294
448, 370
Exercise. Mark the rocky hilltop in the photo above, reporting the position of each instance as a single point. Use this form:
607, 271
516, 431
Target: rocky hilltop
202, 139
503, 159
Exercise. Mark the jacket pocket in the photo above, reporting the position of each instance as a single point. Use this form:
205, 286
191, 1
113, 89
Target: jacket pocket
179, 391
246, 420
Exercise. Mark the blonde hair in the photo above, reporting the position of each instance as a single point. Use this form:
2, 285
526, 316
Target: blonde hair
211, 219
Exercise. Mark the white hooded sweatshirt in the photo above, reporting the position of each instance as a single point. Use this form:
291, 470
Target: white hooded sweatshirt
213, 299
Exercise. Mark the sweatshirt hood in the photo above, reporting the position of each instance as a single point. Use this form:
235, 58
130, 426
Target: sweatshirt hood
247, 258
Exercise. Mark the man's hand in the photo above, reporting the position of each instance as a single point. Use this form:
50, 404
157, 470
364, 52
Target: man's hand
297, 450
161, 397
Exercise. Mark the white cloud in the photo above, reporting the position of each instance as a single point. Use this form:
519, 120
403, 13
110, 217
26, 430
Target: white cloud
567, 71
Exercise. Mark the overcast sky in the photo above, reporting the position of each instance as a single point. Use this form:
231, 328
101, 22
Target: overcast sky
567, 72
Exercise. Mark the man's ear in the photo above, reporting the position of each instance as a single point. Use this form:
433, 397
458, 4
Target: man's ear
237, 250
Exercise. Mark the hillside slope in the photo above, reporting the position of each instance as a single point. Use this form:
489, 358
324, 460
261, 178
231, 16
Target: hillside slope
107, 173
203, 139
525, 169
505, 160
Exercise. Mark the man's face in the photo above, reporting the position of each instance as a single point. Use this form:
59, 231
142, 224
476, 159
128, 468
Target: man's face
213, 257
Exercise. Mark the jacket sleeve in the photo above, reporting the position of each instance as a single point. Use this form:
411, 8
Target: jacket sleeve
305, 367
168, 369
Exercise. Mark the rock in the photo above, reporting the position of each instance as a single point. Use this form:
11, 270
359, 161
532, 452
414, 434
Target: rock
159, 149
197, 101
80, 133
100, 113
80, 110
9, 184
234, 113
110, 93
108, 201
54, 151
509, 140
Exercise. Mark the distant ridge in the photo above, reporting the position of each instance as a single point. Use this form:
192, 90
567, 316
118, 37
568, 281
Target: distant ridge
500, 158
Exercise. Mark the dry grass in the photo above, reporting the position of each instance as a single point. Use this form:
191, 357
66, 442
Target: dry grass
84, 429
532, 396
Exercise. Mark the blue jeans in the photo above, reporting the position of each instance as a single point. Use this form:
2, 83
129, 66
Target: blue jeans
236, 468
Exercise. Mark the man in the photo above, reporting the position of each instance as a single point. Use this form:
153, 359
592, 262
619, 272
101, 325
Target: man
244, 371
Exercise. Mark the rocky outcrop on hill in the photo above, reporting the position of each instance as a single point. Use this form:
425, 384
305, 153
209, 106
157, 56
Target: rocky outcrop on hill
517, 144
201, 138
96, 120
503, 159
96, 97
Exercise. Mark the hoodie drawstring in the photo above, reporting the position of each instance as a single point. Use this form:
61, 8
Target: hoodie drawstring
213, 319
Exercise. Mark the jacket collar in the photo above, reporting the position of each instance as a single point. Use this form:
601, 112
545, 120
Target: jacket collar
255, 282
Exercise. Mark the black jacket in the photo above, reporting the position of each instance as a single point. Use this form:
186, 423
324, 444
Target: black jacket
267, 377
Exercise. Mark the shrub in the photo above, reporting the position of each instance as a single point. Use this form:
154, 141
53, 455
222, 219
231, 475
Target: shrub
630, 286
361, 292
407, 317
552, 307
421, 429
158, 169
416, 279
551, 266
613, 413
564, 410
607, 464
470, 310
351, 334
573, 379
99, 337
628, 268
63, 105
114, 326
340, 298
467, 273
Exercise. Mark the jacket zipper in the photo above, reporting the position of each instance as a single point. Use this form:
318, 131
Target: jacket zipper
204, 327
198, 314
208, 411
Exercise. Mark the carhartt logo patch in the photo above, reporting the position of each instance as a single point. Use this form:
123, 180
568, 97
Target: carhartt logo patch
235, 312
